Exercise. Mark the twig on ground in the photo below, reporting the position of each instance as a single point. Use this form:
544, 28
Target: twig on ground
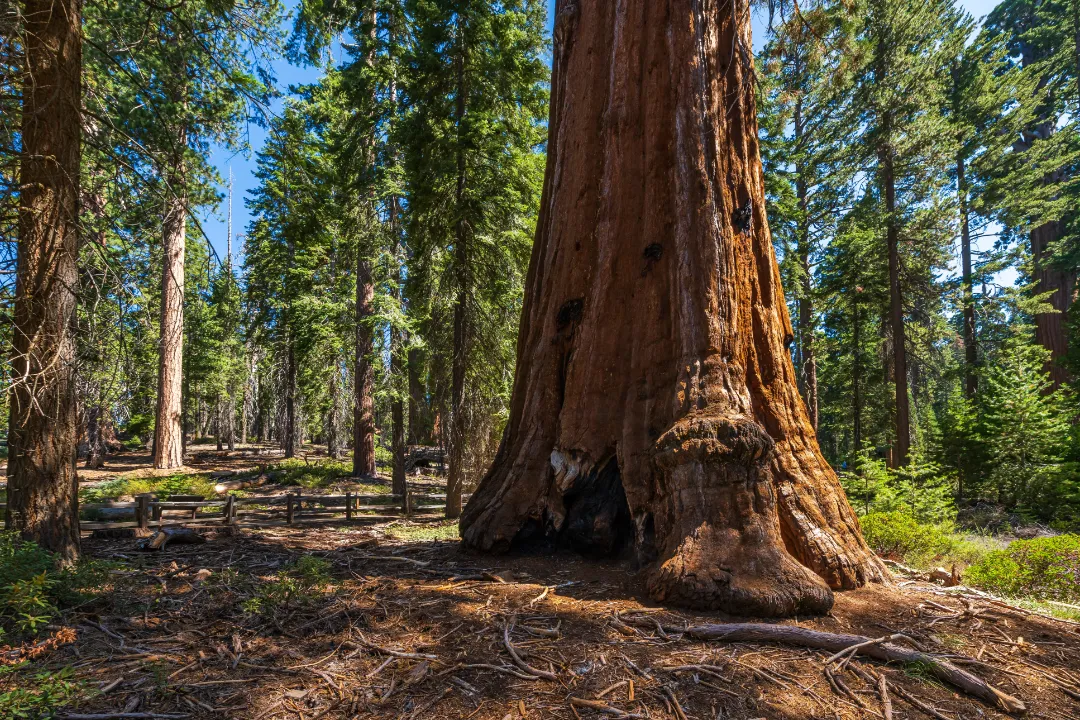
521, 663
390, 651
675, 703
601, 707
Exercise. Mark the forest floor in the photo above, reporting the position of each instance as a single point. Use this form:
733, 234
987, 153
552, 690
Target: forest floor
395, 620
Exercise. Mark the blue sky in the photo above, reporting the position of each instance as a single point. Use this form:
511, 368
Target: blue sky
243, 165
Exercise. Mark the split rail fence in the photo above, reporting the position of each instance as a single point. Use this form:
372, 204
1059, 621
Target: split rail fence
277, 510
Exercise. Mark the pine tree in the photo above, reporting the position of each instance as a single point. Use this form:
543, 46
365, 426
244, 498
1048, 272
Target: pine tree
42, 503
1025, 428
906, 46
186, 76
477, 96
1043, 37
802, 114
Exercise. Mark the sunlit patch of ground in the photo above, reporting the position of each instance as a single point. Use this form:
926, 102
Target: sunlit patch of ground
395, 620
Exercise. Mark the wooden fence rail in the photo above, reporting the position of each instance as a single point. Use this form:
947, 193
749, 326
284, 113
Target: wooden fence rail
288, 509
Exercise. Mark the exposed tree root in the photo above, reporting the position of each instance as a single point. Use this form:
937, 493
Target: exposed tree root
802, 637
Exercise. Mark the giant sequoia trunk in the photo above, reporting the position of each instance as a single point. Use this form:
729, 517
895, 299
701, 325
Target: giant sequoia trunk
168, 430
42, 491
655, 402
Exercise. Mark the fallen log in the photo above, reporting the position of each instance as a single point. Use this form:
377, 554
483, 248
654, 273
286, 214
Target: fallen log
834, 642
433, 458
165, 535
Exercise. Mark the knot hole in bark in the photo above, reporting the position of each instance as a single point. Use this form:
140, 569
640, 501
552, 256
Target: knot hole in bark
570, 312
652, 254
743, 217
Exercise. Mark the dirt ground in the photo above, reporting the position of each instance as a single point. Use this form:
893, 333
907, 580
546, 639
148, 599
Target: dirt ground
414, 628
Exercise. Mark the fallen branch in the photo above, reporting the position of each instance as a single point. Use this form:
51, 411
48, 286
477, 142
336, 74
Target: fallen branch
601, 707
396, 653
886, 702
521, 663
802, 637
713, 670
497, 668
901, 692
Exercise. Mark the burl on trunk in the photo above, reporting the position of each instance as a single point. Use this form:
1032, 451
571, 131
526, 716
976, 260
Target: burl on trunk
655, 403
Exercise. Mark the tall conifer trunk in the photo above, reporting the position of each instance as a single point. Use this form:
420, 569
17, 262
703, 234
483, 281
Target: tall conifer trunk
397, 370
455, 476
168, 429
808, 357
418, 434
292, 425
655, 403
42, 491
364, 374
971, 353
364, 371
902, 409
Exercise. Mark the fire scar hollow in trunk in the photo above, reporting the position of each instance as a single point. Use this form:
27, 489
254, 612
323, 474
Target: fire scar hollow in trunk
655, 403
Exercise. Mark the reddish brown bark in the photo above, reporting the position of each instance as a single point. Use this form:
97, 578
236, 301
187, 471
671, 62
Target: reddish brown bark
1051, 329
168, 431
364, 375
42, 491
654, 400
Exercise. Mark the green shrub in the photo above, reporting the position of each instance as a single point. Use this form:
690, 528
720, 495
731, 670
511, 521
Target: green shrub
312, 474
140, 425
900, 536
302, 583
920, 490
162, 487
36, 696
1043, 568
417, 532
33, 586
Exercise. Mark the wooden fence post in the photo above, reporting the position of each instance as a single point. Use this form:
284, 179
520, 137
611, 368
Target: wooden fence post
289, 509
230, 510
348, 506
142, 505
299, 502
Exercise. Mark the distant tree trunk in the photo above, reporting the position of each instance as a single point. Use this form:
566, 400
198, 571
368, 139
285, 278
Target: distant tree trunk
219, 423
856, 371
1051, 329
249, 377
455, 476
168, 430
230, 420
418, 434
96, 448
364, 402
42, 491
397, 410
808, 358
333, 415
291, 430
902, 415
971, 355
655, 401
